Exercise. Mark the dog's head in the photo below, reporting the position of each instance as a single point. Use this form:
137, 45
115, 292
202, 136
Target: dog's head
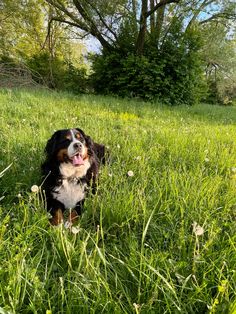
70, 146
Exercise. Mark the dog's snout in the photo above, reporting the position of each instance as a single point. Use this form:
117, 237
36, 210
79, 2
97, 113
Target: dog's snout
77, 146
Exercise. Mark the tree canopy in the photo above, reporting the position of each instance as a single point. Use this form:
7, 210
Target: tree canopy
104, 19
167, 49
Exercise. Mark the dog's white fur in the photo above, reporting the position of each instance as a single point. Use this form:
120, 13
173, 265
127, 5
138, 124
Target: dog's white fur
70, 192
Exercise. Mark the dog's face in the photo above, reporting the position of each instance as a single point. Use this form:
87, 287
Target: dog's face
70, 146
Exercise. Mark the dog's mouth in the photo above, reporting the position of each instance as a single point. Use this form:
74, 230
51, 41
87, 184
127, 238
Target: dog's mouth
77, 159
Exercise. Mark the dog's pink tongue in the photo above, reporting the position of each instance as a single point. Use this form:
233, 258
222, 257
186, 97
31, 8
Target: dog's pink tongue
78, 160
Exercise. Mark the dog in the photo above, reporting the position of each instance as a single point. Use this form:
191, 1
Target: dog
71, 168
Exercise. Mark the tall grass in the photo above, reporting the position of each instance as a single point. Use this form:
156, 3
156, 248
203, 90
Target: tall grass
160, 241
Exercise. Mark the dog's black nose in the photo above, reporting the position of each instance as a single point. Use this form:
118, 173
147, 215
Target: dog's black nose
77, 145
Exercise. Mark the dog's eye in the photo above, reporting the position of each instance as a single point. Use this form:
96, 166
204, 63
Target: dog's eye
78, 136
65, 141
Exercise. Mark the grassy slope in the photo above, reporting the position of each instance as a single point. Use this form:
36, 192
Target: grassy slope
136, 251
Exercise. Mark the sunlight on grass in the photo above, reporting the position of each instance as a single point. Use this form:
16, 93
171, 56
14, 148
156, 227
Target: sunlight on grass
159, 236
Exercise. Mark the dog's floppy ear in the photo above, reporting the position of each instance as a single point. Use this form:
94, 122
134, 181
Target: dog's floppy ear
81, 131
87, 138
51, 144
99, 150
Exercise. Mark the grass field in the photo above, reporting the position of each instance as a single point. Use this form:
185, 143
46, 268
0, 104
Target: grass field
160, 241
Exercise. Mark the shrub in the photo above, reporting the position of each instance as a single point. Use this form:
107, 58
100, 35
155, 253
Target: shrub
172, 74
57, 73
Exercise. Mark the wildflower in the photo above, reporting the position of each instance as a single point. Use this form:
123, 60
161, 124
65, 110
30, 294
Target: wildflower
67, 224
137, 158
75, 230
197, 229
110, 175
34, 188
233, 169
118, 146
19, 195
130, 173
137, 307
207, 159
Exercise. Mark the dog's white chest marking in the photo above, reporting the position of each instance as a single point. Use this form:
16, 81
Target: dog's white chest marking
70, 192
67, 170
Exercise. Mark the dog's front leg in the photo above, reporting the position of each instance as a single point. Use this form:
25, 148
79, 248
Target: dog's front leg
57, 216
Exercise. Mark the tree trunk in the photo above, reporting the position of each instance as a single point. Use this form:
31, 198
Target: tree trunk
50, 49
159, 22
152, 18
143, 29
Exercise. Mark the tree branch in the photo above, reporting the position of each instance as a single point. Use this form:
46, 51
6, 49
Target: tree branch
198, 11
102, 20
158, 5
62, 8
223, 15
93, 28
87, 24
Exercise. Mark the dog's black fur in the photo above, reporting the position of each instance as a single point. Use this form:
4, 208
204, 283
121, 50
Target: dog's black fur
67, 176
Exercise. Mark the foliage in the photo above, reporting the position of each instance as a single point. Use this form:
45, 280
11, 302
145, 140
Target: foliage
150, 44
218, 54
29, 39
154, 44
172, 74
22, 30
148, 243
57, 73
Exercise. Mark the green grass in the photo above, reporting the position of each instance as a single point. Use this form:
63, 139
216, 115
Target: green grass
136, 250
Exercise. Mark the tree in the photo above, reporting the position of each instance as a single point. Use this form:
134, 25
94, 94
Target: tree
218, 55
28, 36
104, 18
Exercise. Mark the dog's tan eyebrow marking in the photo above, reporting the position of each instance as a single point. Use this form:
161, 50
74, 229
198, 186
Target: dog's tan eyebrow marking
68, 136
77, 135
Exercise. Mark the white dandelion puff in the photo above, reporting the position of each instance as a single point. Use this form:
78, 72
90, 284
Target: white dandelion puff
34, 188
75, 230
130, 173
197, 229
233, 169
67, 224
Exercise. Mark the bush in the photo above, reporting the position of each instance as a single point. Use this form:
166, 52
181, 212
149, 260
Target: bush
57, 73
172, 74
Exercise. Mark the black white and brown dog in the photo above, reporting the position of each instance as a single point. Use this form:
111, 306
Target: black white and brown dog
71, 167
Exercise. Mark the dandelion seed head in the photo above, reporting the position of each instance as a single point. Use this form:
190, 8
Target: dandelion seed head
75, 230
233, 169
34, 188
197, 229
67, 224
130, 173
